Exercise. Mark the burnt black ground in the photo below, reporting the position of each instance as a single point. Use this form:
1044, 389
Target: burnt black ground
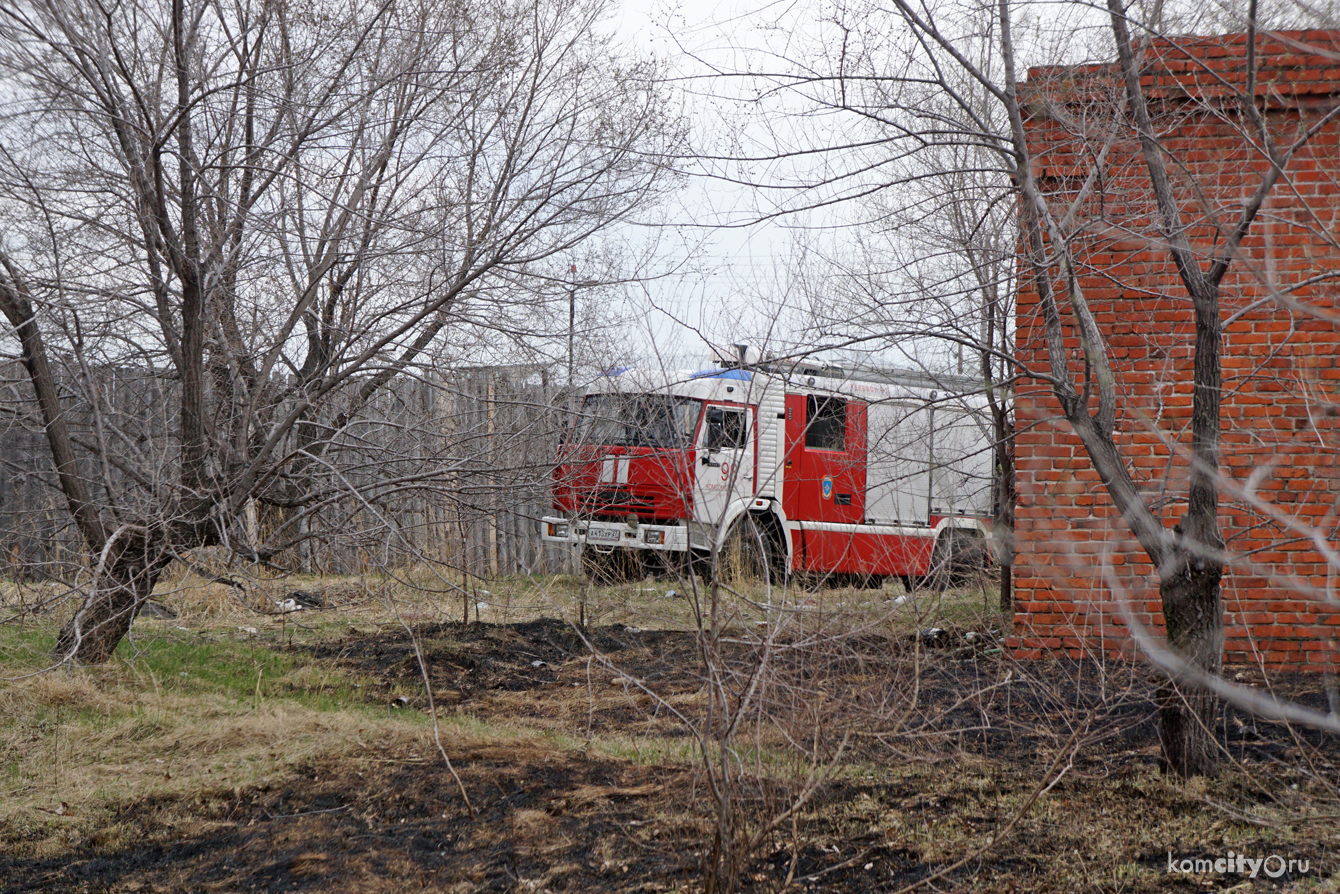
566, 820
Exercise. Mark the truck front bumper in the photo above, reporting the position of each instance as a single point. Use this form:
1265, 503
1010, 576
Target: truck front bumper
610, 535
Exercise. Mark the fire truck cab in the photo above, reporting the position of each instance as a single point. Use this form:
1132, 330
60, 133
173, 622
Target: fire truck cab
852, 475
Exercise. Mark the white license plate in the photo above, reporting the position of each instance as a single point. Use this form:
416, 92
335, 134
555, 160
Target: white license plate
603, 535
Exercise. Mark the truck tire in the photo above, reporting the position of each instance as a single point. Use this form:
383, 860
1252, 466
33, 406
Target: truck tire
749, 552
959, 557
616, 566
971, 560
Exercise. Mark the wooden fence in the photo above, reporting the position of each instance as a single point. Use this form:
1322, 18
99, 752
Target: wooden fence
475, 444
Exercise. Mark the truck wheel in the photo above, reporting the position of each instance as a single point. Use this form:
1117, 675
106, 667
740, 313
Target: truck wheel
972, 559
595, 565
959, 557
613, 567
748, 552
940, 574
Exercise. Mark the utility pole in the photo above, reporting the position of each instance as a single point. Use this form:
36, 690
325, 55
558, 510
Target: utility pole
572, 330
573, 286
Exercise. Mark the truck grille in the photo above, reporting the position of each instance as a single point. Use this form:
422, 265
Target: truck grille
620, 498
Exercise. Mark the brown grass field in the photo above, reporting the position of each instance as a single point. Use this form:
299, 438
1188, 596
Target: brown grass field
232, 748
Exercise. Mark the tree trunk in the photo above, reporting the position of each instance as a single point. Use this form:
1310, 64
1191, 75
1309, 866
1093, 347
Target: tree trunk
1003, 522
1193, 611
1190, 572
119, 589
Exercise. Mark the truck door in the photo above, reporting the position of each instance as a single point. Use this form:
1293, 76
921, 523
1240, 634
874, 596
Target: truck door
825, 459
725, 460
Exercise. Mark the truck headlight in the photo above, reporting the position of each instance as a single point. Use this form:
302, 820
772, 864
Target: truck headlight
655, 537
557, 529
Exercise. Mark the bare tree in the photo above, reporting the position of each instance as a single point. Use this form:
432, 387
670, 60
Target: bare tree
950, 79
1189, 556
273, 211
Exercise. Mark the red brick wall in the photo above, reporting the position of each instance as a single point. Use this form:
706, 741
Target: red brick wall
1077, 564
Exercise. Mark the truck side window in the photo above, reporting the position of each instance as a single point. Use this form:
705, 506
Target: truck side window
725, 428
826, 423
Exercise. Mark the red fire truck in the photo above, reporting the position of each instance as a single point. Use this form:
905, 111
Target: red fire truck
854, 476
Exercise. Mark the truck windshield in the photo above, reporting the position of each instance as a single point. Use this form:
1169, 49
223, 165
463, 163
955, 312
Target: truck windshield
638, 420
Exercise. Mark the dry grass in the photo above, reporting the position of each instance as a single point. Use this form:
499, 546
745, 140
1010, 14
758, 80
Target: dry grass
199, 703
211, 596
211, 728
74, 744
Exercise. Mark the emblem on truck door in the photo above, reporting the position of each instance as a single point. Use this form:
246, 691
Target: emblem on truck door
828, 486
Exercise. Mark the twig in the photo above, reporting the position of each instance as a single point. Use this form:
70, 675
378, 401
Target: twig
815, 876
1252, 820
1038, 791
309, 813
432, 712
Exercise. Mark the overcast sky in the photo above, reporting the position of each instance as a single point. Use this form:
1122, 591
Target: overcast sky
729, 265
725, 268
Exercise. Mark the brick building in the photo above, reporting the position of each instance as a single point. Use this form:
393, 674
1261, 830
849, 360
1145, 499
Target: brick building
1280, 503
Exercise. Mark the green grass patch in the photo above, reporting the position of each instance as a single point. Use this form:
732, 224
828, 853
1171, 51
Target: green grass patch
247, 672
23, 644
